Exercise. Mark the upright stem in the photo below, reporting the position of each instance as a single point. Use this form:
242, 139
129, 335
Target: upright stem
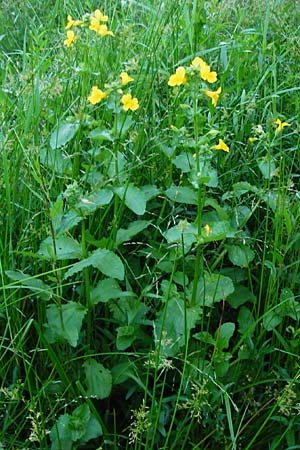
200, 197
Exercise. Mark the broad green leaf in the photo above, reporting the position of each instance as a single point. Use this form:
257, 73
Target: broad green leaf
98, 379
267, 166
243, 187
101, 134
66, 248
221, 363
78, 428
125, 234
64, 323
150, 191
66, 222
128, 310
182, 194
61, 434
204, 336
105, 291
213, 288
240, 255
125, 337
123, 125
134, 198
246, 321
62, 134
217, 231
170, 326
272, 319
223, 335
240, 296
93, 201
184, 232
41, 289
117, 166
185, 162
104, 260
56, 160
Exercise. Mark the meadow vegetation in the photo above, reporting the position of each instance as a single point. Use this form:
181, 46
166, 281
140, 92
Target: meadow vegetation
150, 239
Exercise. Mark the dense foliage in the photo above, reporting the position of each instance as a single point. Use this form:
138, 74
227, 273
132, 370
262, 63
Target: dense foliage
150, 206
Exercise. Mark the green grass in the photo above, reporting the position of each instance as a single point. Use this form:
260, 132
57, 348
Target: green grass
149, 291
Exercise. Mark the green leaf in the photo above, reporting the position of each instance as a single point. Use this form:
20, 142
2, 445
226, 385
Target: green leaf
93, 201
101, 134
267, 166
213, 288
66, 222
182, 194
134, 198
240, 296
62, 134
170, 326
56, 160
66, 248
183, 232
240, 255
77, 428
64, 323
61, 434
104, 260
123, 125
125, 337
223, 335
204, 336
272, 319
133, 229
105, 291
98, 379
184, 162
246, 321
41, 289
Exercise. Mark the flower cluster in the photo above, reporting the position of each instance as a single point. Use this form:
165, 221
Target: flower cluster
128, 102
94, 22
201, 68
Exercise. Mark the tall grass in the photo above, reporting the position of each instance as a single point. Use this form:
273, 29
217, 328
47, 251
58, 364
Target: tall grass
149, 280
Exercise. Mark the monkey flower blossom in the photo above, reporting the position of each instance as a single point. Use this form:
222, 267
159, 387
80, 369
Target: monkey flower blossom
72, 23
178, 77
96, 95
125, 78
214, 95
205, 73
129, 102
221, 146
71, 38
280, 125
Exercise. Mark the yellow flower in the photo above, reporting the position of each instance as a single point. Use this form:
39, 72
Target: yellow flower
99, 16
96, 95
104, 31
71, 38
178, 77
205, 73
95, 24
221, 146
252, 139
73, 23
214, 95
125, 78
197, 63
280, 125
129, 102
208, 230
